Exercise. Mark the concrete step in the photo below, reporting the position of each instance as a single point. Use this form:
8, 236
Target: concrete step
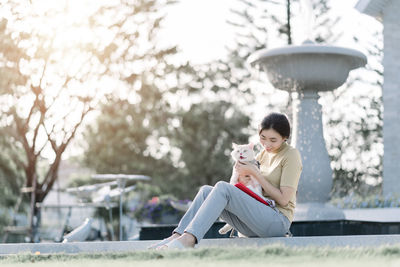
126, 246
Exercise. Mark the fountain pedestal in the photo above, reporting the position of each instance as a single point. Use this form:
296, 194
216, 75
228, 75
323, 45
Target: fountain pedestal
316, 182
309, 69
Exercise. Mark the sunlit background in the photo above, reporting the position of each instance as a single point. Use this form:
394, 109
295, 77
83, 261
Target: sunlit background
162, 88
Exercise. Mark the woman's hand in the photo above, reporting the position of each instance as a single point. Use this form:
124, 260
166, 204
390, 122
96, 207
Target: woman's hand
281, 195
244, 169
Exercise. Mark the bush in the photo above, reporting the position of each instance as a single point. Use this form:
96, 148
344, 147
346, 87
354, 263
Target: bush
157, 210
354, 201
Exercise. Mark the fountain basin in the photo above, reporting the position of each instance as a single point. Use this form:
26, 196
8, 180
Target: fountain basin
308, 66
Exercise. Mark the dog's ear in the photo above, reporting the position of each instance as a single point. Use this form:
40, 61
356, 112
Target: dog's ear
251, 145
234, 145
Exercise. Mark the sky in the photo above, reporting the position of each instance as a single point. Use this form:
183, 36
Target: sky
200, 28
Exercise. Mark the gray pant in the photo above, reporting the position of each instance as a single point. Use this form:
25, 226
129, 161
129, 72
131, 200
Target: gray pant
247, 215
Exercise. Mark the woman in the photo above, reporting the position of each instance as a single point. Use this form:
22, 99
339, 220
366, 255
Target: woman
279, 173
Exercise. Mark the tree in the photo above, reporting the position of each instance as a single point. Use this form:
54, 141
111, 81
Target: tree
125, 140
355, 127
356, 147
32, 94
194, 150
131, 138
353, 119
209, 91
57, 68
258, 25
136, 139
204, 136
11, 180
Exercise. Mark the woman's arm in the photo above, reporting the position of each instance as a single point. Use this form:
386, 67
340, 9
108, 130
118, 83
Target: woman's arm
281, 195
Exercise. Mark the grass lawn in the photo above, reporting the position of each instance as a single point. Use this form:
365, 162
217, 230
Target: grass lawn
265, 256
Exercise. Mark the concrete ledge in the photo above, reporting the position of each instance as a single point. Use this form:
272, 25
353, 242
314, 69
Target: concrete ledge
126, 246
373, 214
74, 247
303, 241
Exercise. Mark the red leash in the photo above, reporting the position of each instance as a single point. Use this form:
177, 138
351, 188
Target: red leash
251, 193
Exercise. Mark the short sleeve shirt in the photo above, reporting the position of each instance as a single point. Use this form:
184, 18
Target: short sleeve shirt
282, 168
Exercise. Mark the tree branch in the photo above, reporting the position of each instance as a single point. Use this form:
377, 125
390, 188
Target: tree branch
51, 175
21, 132
42, 110
83, 115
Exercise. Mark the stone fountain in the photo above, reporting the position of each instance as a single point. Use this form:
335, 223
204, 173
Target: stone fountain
308, 69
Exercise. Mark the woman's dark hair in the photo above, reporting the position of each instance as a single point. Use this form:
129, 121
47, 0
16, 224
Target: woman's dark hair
278, 122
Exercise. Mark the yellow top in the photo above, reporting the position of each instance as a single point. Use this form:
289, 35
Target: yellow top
282, 168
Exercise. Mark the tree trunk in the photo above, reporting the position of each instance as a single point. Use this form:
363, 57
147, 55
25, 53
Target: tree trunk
39, 193
34, 216
289, 105
288, 22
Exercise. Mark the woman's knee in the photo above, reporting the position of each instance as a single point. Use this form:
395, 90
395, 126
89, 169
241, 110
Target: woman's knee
222, 185
206, 189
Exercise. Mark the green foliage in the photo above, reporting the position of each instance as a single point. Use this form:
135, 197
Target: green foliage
117, 143
157, 210
11, 180
65, 80
80, 180
9, 51
11, 175
354, 201
154, 132
117, 140
194, 151
325, 25
205, 137
355, 127
355, 145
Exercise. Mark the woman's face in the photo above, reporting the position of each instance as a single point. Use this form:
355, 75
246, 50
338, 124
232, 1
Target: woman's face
271, 140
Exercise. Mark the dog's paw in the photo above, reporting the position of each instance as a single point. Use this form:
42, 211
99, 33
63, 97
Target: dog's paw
225, 229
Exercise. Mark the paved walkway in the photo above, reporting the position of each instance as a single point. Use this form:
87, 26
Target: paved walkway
126, 246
